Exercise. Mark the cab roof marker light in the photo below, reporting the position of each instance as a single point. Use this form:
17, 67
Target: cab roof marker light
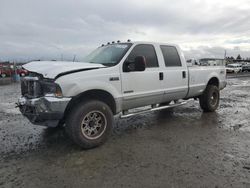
113, 42
129, 40
118, 41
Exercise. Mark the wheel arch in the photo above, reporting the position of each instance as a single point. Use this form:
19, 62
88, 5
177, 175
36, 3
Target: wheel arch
96, 94
213, 81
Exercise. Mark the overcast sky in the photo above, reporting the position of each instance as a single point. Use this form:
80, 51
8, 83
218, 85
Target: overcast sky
55, 29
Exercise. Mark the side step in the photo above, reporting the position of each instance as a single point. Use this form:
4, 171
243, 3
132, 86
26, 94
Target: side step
152, 109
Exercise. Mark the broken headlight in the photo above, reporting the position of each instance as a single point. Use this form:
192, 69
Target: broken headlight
51, 88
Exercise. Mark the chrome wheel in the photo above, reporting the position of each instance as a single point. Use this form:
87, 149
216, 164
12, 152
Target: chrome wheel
93, 125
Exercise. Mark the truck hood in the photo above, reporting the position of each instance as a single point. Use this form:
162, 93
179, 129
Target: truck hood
53, 69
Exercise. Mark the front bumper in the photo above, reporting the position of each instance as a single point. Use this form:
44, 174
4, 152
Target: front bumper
46, 111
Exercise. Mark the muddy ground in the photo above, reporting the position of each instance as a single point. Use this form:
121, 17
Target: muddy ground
179, 148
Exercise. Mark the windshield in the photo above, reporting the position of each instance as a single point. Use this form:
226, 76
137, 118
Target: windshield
108, 55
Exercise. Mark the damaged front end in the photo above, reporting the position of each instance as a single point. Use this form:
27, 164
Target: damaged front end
42, 101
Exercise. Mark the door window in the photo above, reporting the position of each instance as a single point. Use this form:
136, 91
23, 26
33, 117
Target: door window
146, 50
171, 56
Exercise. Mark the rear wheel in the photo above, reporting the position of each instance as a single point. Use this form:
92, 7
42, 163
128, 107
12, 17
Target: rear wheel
89, 124
209, 100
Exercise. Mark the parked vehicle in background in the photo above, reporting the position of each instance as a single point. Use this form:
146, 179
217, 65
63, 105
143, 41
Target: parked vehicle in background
211, 62
22, 72
117, 78
192, 61
246, 68
5, 72
206, 62
234, 68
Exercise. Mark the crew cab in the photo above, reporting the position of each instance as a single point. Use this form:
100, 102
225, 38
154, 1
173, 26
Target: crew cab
113, 80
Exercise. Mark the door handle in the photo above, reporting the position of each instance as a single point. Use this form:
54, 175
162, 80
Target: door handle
184, 75
161, 76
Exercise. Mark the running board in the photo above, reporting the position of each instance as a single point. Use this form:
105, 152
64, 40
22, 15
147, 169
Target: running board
122, 116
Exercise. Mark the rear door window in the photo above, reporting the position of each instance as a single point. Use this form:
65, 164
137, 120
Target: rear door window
171, 56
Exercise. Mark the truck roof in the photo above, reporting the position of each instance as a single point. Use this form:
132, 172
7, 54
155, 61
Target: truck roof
149, 42
145, 42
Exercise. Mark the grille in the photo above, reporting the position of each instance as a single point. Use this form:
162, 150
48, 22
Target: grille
30, 87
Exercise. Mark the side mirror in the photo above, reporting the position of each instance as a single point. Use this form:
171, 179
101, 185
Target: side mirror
139, 64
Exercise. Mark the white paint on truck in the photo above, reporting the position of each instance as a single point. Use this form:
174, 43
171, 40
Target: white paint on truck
115, 78
133, 89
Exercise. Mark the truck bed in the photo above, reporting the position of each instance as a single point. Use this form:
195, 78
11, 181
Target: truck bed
199, 76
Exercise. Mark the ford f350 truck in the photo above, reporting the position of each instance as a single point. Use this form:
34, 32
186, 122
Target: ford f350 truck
114, 79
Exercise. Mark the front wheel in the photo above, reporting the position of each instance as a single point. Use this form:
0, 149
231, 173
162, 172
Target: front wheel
209, 100
89, 124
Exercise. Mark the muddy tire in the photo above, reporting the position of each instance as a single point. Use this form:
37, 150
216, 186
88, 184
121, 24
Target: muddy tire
89, 124
209, 100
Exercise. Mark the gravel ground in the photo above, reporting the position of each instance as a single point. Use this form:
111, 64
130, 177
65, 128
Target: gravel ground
182, 147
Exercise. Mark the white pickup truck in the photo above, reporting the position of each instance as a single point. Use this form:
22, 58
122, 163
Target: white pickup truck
113, 79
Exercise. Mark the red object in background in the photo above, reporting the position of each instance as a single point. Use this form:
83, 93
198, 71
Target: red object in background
22, 72
7, 72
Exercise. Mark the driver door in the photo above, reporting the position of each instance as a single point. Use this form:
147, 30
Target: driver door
142, 88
